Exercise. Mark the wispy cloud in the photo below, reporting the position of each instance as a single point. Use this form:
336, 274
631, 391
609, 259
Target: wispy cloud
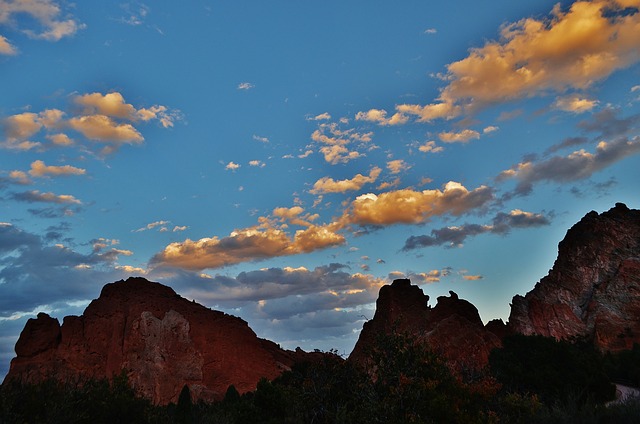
47, 13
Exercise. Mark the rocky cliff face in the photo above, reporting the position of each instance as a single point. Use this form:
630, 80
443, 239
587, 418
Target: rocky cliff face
452, 327
162, 340
593, 289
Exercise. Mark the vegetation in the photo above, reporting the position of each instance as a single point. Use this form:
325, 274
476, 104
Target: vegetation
530, 380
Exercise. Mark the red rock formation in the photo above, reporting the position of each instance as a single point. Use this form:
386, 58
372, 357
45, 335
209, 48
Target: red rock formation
452, 328
593, 289
162, 340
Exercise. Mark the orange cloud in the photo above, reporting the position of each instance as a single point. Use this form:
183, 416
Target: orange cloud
6, 48
245, 245
103, 128
397, 166
572, 49
459, 137
40, 169
380, 117
575, 103
411, 207
329, 185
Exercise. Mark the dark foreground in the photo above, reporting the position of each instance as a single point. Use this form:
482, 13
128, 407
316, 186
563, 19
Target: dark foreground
530, 380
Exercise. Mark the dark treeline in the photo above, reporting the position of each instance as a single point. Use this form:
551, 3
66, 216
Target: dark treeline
531, 379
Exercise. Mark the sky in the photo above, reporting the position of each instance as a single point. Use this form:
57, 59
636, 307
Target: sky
281, 161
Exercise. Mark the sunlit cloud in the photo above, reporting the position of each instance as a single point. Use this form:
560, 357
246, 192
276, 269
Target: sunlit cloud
571, 49
322, 117
334, 142
20, 177
40, 169
37, 196
430, 147
107, 119
329, 185
7, 48
412, 207
397, 166
463, 136
380, 117
575, 103
231, 166
245, 245
152, 225
47, 14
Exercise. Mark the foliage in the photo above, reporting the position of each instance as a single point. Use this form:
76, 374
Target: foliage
553, 370
624, 366
541, 381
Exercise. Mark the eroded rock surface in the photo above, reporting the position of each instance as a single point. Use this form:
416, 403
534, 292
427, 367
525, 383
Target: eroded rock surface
452, 327
593, 289
160, 339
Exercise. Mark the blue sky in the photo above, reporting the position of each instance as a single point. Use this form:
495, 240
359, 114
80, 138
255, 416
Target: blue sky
282, 161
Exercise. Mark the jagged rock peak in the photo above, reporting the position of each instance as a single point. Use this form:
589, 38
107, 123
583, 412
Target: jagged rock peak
452, 327
592, 290
160, 339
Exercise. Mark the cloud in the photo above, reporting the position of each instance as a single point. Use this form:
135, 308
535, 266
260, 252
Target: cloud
106, 118
430, 31
455, 236
322, 117
249, 244
398, 165
412, 207
575, 103
329, 185
152, 225
20, 177
40, 169
45, 12
334, 142
459, 137
430, 146
36, 196
260, 139
430, 112
575, 166
569, 50
232, 166
6, 48
607, 123
60, 139
572, 49
245, 86
35, 273
103, 128
567, 142
380, 117
257, 163
490, 129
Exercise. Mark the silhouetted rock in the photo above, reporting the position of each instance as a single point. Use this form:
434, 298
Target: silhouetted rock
593, 289
452, 328
162, 340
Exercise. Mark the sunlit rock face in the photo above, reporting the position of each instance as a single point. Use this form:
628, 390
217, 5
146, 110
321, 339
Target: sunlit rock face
593, 289
160, 339
452, 327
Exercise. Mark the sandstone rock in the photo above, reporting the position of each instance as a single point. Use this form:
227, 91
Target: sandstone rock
160, 339
593, 289
452, 328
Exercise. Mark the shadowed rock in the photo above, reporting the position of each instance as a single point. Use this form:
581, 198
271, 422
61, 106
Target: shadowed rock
160, 339
593, 289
